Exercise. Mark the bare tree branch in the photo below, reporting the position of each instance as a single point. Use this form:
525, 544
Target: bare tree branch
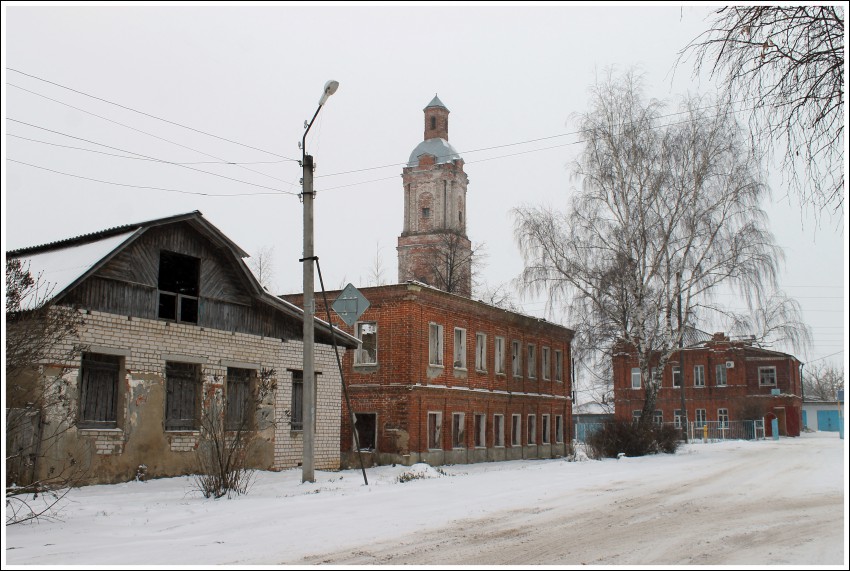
788, 63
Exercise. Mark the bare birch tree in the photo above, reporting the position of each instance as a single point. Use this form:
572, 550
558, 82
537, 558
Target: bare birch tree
786, 63
262, 264
666, 212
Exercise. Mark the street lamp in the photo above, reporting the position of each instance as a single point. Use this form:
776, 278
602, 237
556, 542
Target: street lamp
309, 381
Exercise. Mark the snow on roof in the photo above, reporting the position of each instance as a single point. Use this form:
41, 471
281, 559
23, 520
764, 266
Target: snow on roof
439, 148
56, 269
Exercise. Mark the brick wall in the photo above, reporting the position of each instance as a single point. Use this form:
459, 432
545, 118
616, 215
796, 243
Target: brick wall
145, 346
742, 396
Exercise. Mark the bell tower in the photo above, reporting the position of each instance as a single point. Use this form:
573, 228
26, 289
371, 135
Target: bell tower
433, 247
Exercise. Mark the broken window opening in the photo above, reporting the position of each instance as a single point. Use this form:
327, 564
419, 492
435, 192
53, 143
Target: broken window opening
179, 287
367, 332
365, 424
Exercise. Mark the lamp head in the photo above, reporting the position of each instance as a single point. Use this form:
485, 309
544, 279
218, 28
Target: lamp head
330, 88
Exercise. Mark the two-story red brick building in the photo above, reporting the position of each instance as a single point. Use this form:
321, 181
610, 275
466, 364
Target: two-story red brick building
444, 379
724, 380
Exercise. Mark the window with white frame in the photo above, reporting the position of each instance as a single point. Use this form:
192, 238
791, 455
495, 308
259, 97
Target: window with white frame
677, 376
516, 361
559, 366
699, 375
499, 430
532, 429
516, 430
480, 352
635, 377
559, 429
435, 426
480, 431
767, 376
720, 374
367, 332
500, 356
460, 348
723, 417
544, 436
545, 365
435, 344
636, 415
532, 361
677, 418
658, 417
700, 417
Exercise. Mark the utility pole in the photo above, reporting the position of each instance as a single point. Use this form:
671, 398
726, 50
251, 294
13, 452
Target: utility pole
308, 394
684, 417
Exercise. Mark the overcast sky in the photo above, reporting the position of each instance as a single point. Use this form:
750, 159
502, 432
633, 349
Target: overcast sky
253, 74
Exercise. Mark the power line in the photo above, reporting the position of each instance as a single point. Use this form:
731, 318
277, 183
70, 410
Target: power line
146, 187
150, 158
146, 133
140, 158
149, 115
578, 132
826, 356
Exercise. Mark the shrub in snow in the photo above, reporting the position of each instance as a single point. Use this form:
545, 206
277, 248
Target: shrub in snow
420, 471
632, 439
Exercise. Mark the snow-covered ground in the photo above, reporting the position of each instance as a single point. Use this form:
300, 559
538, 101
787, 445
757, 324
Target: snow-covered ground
760, 503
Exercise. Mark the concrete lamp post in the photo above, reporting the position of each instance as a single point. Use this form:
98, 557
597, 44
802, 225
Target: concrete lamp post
309, 381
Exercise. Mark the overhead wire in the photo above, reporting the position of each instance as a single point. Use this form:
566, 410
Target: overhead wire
148, 157
141, 186
149, 114
146, 133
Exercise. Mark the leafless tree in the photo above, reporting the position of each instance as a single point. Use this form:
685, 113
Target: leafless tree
501, 295
40, 337
665, 213
262, 264
822, 382
453, 263
786, 63
377, 271
227, 436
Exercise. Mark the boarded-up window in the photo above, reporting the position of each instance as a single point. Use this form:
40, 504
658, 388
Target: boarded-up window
297, 400
182, 396
99, 391
498, 430
240, 405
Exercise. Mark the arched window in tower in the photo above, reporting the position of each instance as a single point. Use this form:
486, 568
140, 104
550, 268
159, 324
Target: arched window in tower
433, 122
460, 216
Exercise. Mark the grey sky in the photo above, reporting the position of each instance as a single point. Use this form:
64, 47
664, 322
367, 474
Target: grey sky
253, 74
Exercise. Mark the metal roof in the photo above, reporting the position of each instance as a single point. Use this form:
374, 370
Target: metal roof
436, 103
440, 149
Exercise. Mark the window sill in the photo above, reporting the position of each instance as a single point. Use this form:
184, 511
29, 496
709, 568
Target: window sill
182, 431
96, 429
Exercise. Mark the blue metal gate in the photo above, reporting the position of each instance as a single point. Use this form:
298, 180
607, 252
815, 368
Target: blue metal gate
828, 420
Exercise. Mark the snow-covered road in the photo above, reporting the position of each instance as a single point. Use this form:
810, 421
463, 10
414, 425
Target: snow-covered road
761, 503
